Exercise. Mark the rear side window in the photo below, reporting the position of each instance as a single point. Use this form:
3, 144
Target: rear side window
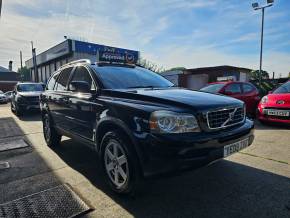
213, 88
63, 79
52, 81
233, 88
81, 74
248, 88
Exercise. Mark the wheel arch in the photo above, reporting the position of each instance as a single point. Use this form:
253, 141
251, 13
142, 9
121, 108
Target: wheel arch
114, 124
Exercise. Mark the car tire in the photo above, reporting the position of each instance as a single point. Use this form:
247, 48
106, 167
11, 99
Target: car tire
18, 111
11, 107
51, 136
120, 166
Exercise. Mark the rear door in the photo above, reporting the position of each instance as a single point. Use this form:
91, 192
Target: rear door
250, 97
82, 104
234, 90
48, 95
59, 99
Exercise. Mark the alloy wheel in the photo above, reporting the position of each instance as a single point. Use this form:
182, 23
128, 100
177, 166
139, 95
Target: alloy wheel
116, 164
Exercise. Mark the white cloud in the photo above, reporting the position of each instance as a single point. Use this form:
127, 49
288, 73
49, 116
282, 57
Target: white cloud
144, 25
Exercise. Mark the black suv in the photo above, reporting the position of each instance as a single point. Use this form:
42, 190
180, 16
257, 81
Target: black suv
138, 122
25, 97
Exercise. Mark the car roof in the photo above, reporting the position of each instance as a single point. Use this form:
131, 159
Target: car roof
227, 82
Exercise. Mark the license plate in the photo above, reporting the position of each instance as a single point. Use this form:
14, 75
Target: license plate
278, 113
235, 147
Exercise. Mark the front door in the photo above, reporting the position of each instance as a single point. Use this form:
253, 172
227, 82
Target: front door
82, 104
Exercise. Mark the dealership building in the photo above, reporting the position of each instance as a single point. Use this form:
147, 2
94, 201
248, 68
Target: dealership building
69, 50
196, 78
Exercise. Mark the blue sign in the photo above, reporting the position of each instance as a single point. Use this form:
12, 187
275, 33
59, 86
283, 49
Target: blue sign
113, 57
106, 51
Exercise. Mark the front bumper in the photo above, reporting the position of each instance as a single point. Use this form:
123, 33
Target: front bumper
272, 119
164, 154
29, 106
3, 100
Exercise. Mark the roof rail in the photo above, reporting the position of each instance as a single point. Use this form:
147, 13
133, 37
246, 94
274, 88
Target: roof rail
76, 62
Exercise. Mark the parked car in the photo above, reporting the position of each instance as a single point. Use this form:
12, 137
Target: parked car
8, 95
275, 107
244, 91
138, 122
3, 98
25, 97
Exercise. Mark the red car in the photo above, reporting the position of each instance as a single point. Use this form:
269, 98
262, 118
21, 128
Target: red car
240, 90
275, 107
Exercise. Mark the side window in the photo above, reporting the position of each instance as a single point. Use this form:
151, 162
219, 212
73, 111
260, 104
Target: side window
82, 75
248, 88
63, 79
52, 81
234, 88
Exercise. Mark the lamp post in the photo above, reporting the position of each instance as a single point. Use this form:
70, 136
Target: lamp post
34, 62
0, 7
256, 6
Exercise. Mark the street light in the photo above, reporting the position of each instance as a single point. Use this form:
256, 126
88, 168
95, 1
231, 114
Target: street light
34, 61
0, 7
256, 6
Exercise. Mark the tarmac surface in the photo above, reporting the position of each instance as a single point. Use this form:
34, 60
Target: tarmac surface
252, 183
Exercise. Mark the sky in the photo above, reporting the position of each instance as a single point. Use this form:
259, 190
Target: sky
169, 33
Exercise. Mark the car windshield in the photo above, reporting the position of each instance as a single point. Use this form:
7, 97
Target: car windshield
114, 77
285, 88
29, 87
213, 88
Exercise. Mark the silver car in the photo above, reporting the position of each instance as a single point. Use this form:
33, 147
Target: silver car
3, 98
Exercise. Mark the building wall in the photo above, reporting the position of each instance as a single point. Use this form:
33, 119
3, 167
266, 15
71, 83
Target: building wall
196, 82
7, 86
67, 51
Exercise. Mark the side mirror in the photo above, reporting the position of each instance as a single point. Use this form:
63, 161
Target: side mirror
79, 86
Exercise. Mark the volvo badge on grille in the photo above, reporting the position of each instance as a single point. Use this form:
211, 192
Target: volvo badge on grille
231, 117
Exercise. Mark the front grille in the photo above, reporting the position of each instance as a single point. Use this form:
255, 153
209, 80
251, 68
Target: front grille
277, 117
32, 99
225, 117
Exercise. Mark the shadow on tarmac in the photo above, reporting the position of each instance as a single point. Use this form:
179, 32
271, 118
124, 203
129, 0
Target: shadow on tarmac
223, 189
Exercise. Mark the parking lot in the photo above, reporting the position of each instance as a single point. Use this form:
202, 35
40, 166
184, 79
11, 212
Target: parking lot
252, 183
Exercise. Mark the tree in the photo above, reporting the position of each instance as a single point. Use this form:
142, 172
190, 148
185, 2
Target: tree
150, 66
254, 75
24, 73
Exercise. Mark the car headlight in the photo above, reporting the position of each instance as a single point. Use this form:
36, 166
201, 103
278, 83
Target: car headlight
172, 122
264, 100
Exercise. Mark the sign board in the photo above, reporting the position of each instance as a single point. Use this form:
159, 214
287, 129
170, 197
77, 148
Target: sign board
112, 57
226, 78
108, 53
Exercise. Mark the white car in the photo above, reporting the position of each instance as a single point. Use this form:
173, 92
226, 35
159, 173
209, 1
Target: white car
8, 95
3, 98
